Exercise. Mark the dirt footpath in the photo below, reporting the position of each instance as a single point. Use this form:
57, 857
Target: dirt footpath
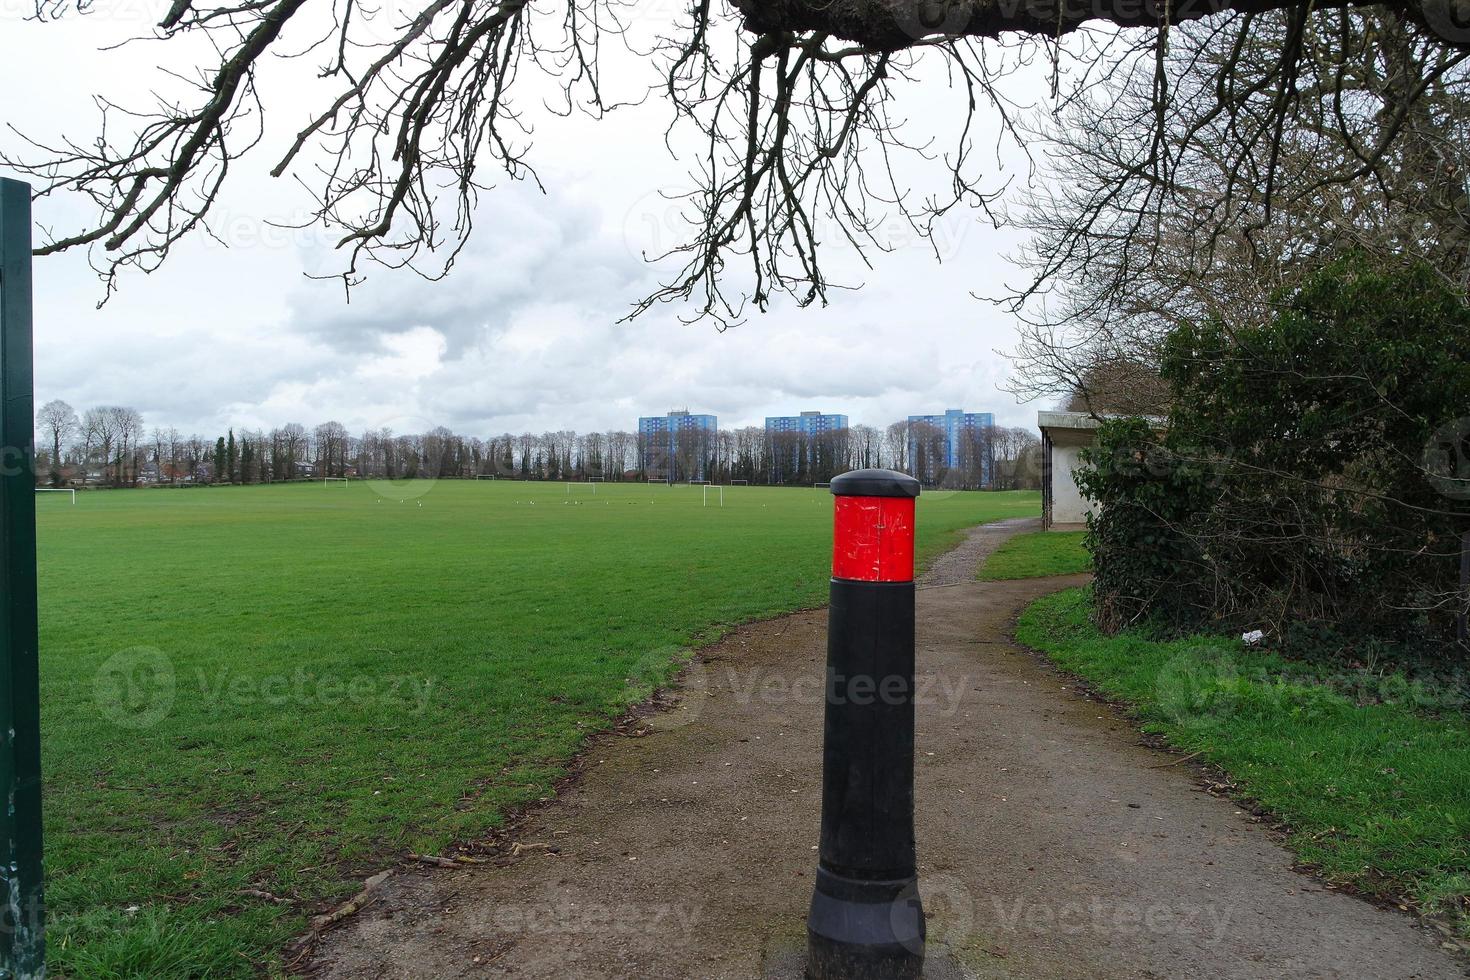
1051, 843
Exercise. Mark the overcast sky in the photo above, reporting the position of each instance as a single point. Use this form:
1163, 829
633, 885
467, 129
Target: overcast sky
523, 335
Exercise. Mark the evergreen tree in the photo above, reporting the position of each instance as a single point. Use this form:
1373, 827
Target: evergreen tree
220, 461
232, 457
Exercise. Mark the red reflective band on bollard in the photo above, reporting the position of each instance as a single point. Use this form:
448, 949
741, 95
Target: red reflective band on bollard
873, 539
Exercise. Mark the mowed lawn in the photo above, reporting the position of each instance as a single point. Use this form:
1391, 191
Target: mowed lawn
270, 692
1037, 555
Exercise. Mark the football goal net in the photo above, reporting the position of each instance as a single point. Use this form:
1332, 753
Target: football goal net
739, 483
59, 490
708, 488
485, 476
334, 479
821, 486
589, 483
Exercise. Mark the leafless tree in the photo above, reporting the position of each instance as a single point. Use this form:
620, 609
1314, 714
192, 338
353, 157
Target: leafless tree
196, 450
792, 108
1017, 458
748, 460
1107, 387
129, 427
114, 433
867, 447
974, 459
620, 453
288, 448
926, 452
693, 456
331, 448
259, 465
525, 445
172, 465
591, 455
58, 422
896, 445
1200, 183
785, 454
99, 436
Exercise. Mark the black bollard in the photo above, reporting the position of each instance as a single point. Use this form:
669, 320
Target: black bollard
866, 922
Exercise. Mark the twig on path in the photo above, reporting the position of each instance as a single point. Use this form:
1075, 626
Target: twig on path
459, 860
1175, 762
325, 921
352, 905
263, 894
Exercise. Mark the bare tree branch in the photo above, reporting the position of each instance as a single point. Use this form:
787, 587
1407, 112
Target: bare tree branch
794, 106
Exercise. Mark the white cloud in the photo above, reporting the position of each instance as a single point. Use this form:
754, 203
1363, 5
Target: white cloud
525, 332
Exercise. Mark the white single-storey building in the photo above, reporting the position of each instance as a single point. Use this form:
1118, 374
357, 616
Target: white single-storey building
1063, 437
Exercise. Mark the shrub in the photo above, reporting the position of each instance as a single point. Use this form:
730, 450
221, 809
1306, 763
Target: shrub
1307, 476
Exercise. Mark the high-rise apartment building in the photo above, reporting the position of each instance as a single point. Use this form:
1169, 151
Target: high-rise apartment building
955, 447
789, 437
677, 446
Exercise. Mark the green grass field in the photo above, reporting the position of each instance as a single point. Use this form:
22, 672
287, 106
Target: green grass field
274, 691
1367, 770
1036, 555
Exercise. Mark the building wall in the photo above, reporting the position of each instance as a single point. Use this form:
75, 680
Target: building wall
807, 423
665, 439
957, 425
808, 426
1063, 437
1068, 506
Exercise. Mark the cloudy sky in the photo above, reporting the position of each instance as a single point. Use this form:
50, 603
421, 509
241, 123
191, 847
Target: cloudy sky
524, 334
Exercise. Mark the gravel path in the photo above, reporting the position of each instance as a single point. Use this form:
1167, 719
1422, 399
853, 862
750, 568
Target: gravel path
959, 565
1052, 843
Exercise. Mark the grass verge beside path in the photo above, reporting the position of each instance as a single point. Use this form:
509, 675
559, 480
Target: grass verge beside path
1368, 778
1036, 555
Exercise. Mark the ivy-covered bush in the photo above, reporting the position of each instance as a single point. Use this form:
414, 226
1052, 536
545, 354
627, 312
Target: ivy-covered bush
1146, 565
1314, 469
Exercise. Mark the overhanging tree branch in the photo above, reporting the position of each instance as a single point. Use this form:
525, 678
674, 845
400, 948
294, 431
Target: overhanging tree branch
792, 103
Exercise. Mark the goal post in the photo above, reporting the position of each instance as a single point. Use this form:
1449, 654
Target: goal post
721, 495
739, 483
69, 490
334, 479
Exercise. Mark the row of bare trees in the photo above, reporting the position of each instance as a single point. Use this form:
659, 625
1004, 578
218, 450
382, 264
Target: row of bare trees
109, 446
104, 443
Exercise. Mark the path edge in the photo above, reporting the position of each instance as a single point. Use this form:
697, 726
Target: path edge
1215, 781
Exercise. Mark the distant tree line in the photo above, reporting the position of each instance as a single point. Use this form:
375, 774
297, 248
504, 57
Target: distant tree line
110, 446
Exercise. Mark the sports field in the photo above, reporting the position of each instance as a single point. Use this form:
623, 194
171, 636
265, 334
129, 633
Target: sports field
253, 697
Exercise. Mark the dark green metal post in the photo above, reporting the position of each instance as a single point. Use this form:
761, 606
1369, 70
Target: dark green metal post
1462, 622
22, 936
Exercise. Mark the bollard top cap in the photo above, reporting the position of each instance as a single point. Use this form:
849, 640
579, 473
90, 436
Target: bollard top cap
875, 483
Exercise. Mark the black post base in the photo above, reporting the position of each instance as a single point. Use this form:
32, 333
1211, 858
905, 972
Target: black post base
864, 930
